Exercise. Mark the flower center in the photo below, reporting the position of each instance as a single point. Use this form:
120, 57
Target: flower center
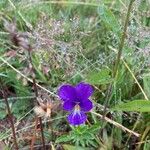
76, 110
77, 107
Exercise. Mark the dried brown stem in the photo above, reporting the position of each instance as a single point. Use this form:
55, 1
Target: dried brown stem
36, 94
20, 41
116, 124
34, 135
11, 120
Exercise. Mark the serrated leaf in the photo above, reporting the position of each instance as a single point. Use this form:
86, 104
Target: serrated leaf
135, 105
94, 128
82, 142
93, 143
99, 77
63, 138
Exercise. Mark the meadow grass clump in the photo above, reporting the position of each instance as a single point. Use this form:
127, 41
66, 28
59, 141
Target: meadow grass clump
78, 56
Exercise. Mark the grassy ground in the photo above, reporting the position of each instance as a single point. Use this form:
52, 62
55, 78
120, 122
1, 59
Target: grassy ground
76, 41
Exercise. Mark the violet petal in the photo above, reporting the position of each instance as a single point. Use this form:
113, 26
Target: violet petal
86, 105
77, 117
68, 105
67, 93
84, 90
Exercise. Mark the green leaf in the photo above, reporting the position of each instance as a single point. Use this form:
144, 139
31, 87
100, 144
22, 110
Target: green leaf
93, 143
135, 105
3, 111
99, 77
94, 128
3, 75
70, 147
146, 82
109, 19
2, 114
63, 138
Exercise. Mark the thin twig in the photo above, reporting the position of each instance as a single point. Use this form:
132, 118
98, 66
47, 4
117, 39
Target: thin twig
36, 94
122, 39
121, 45
28, 127
34, 135
117, 124
140, 87
16, 98
30, 80
126, 65
11, 120
21, 16
4, 136
110, 87
64, 2
128, 68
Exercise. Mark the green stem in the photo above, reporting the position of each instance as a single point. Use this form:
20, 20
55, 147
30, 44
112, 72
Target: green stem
110, 88
122, 40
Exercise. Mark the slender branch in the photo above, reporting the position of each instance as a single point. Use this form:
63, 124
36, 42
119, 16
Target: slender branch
34, 135
122, 39
110, 88
36, 94
30, 80
132, 74
21, 16
117, 124
8, 134
143, 92
11, 120
64, 2
16, 98
42, 133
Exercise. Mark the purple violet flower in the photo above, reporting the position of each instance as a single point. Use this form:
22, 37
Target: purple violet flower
76, 101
